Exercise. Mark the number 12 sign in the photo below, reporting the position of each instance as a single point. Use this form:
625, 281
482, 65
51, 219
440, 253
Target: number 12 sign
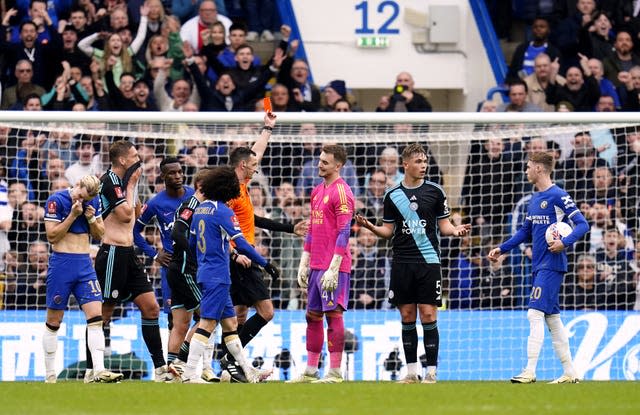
388, 8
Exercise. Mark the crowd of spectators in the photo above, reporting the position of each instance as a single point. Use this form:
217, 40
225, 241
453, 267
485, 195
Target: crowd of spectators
154, 55
578, 55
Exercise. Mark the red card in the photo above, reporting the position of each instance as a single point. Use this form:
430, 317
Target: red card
267, 104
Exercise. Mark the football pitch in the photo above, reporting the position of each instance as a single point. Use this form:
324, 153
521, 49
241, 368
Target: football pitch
134, 397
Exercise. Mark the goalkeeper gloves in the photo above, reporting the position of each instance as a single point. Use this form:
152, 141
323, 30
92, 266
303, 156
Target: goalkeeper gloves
329, 279
273, 271
303, 270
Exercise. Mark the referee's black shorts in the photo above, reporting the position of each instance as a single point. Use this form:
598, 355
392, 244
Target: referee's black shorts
247, 285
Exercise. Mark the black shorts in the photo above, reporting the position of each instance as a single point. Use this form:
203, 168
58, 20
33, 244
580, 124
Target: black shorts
185, 292
121, 274
247, 285
415, 284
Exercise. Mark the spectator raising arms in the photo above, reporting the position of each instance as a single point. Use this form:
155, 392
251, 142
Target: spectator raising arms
114, 46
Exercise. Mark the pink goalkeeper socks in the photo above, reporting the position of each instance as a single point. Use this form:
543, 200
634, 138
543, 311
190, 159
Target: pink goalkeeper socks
335, 336
315, 339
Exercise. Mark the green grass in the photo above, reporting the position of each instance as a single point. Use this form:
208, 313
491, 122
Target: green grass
602, 398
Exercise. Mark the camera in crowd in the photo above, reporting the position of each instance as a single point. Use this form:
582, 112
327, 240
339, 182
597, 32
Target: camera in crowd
399, 89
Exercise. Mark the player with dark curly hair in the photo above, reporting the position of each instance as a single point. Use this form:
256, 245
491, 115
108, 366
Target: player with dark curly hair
213, 226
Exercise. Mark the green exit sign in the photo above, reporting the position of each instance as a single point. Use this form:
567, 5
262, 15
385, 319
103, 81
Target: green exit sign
373, 42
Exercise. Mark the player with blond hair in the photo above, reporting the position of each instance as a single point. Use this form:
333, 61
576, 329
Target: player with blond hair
72, 217
550, 204
415, 213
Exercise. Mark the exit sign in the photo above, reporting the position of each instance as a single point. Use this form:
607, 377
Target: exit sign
373, 42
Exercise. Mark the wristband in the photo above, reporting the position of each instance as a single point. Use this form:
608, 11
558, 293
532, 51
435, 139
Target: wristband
266, 127
91, 220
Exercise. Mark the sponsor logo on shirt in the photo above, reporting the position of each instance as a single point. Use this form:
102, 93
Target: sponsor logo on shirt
410, 227
539, 219
119, 192
236, 223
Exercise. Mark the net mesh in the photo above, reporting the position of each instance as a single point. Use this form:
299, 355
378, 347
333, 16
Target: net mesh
480, 166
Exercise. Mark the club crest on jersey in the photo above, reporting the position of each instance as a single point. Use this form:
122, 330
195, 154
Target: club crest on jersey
544, 204
52, 207
325, 199
413, 206
119, 192
186, 214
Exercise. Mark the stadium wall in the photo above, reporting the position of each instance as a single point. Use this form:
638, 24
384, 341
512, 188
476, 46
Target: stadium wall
457, 59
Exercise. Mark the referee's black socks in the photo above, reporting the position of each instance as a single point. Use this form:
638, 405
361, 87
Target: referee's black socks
251, 328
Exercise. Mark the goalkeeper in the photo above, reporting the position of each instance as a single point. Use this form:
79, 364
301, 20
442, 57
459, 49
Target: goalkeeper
325, 265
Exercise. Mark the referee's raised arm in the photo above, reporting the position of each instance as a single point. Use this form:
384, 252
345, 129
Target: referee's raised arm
260, 146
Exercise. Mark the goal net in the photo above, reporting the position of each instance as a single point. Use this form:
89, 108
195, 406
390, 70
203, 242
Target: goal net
478, 159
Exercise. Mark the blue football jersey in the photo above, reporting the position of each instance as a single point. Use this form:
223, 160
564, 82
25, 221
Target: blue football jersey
58, 208
213, 225
162, 207
552, 205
